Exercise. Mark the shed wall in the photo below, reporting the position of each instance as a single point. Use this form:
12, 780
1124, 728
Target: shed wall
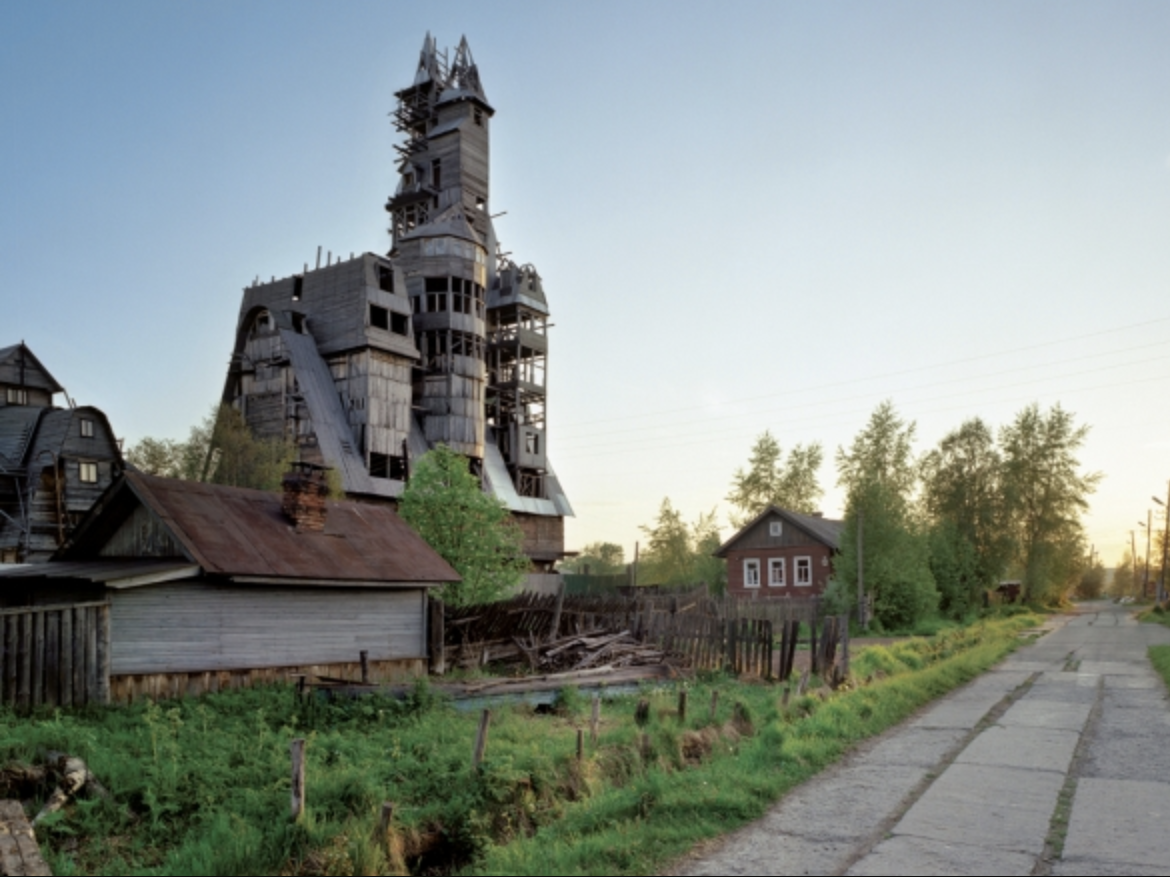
186, 627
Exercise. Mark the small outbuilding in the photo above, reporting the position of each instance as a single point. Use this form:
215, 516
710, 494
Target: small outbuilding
174, 587
781, 553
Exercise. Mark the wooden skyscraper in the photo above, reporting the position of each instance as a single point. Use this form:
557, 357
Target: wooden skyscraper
371, 361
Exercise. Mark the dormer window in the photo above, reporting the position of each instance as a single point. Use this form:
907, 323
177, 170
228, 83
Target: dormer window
87, 430
17, 396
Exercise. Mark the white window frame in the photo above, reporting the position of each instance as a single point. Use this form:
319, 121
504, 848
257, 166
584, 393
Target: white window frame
17, 396
775, 529
751, 572
774, 564
84, 467
796, 564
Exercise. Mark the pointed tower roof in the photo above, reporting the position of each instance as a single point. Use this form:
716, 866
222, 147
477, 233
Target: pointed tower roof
428, 62
463, 81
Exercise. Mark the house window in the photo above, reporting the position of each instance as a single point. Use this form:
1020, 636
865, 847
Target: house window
86, 428
385, 278
386, 466
298, 287
751, 573
379, 317
776, 573
532, 443
88, 473
803, 572
17, 396
398, 323
776, 528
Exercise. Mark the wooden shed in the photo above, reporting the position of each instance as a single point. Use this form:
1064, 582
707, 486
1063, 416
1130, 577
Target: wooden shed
781, 554
198, 587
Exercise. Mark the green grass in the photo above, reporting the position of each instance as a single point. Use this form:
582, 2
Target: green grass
202, 786
1160, 658
1156, 615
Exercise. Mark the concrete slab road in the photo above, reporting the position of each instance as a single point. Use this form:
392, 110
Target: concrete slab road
1071, 775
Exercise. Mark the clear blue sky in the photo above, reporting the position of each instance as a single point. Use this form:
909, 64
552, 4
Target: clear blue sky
748, 215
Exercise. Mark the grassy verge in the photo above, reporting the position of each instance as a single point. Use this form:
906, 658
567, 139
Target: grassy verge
202, 786
1155, 615
1160, 657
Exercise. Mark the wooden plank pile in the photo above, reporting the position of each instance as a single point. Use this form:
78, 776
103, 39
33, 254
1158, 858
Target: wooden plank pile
19, 853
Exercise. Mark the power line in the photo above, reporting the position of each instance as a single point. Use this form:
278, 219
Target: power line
915, 370
588, 436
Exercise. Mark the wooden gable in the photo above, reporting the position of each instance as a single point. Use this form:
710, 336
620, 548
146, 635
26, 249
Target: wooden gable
20, 368
779, 528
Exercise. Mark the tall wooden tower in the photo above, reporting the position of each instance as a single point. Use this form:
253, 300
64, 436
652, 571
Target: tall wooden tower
371, 361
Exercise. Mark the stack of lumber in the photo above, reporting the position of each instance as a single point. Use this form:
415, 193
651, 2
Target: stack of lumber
595, 650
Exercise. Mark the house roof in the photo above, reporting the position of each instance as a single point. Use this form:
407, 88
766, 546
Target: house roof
243, 534
825, 530
18, 425
34, 371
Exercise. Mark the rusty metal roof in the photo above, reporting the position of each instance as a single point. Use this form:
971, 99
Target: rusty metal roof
231, 531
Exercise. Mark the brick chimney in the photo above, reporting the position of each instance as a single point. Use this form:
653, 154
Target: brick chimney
305, 491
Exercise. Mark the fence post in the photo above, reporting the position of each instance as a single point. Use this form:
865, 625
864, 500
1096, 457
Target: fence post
845, 644
364, 658
297, 753
437, 636
813, 654
481, 739
595, 719
103, 654
682, 706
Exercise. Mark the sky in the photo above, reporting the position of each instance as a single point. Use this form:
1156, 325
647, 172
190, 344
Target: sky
748, 216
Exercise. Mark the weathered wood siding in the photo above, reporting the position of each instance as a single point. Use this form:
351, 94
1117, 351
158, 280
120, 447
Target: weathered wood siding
142, 535
186, 627
55, 656
131, 687
760, 536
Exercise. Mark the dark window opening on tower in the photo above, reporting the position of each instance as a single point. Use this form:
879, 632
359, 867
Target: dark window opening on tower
385, 278
298, 288
379, 317
399, 323
298, 321
436, 284
480, 202
387, 466
532, 443
437, 173
479, 117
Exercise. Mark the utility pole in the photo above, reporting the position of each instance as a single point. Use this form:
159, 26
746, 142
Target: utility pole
1148, 525
1133, 556
862, 614
1165, 543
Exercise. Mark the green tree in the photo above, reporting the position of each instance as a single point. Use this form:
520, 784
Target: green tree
962, 497
599, 559
472, 530
791, 484
221, 449
1092, 583
680, 554
1124, 583
1045, 495
879, 474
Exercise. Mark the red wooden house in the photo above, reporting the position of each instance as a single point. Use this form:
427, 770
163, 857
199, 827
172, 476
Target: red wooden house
781, 554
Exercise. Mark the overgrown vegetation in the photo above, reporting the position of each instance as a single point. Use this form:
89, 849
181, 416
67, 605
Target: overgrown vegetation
472, 530
791, 484
680, 554
202, 786
1160, 658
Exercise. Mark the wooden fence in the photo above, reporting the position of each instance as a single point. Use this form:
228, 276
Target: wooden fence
55, 655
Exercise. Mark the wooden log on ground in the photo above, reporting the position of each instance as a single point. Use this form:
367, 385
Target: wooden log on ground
19, 853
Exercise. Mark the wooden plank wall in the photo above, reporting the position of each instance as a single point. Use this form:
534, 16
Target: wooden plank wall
55, 656
182, 627
161, 686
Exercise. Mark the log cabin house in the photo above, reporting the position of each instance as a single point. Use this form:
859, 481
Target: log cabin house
781, 553
54, 462
193, 587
